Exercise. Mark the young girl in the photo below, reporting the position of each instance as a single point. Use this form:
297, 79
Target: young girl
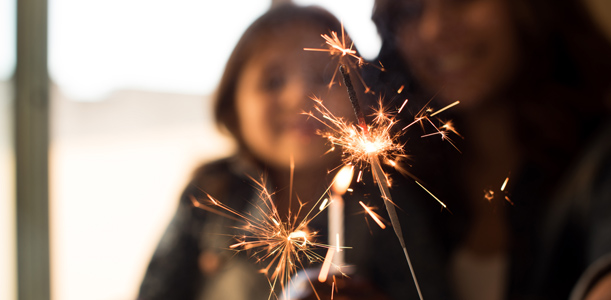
266, 85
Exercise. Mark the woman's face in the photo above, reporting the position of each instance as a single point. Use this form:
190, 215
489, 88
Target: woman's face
466, 50
275, 88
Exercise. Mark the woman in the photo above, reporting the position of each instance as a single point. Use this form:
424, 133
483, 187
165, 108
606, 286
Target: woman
534, 81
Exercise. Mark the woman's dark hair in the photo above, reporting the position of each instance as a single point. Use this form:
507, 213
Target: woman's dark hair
273, 21
561, 39
563, 90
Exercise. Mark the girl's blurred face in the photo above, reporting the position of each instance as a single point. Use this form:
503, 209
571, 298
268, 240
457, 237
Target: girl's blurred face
275, 88
464, 49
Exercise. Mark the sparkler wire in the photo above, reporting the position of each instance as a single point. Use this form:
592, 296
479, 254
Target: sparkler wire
392, 213
378, 175
354, 99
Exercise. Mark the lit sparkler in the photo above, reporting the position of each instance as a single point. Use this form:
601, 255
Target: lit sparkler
283, 246
362, 145
366, 145
374, 149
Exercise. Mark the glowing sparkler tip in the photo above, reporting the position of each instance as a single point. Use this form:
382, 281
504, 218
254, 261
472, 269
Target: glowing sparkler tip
370, 147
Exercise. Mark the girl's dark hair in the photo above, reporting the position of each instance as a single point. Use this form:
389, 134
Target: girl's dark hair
273, 21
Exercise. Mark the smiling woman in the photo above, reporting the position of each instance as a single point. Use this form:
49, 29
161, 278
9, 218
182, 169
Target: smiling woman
533, 78
465, 51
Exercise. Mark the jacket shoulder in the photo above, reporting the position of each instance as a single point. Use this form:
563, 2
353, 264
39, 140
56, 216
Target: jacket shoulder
213, 178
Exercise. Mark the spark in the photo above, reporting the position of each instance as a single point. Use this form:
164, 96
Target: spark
504, 184
449, 126
489, 194
400, 89
337, 46
449, 106
440, 202
402, 106
323, 205
424, 117
392, 163
373, 215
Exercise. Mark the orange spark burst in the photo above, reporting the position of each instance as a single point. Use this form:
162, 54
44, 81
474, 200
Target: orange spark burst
283, 246
336, 46
381, 140
358, 146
